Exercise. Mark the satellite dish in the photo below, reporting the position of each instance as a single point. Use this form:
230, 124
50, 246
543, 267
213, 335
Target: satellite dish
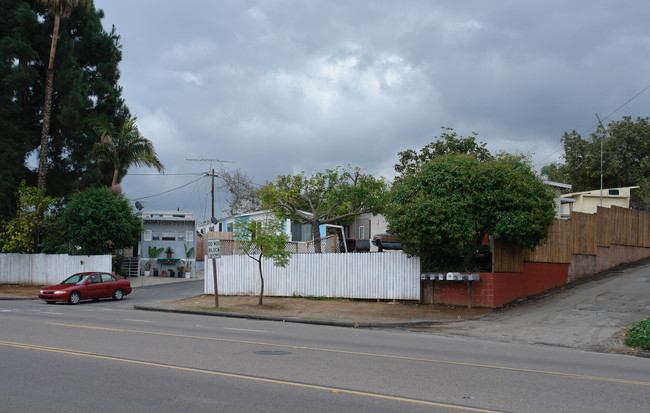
213, 220
139, 205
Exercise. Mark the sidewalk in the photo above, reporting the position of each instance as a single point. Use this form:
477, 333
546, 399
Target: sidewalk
143, 281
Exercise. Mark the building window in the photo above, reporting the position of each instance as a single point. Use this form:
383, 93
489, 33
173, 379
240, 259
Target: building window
155, 236
147, 234
169, 236
189, 236
362, 232
229, 227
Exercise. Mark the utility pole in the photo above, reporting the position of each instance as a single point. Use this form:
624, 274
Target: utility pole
211, 174
601, 159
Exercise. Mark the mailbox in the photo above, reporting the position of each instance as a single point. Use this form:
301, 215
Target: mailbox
473, 277
453, 276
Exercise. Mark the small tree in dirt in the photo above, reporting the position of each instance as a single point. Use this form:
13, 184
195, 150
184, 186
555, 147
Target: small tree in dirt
263, 240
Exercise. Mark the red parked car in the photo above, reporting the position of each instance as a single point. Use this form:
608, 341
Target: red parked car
86, 286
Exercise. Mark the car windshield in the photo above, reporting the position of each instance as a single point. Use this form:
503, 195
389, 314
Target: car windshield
75, 279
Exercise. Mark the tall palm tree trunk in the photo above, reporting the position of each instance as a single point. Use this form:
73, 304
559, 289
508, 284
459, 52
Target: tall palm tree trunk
47, 107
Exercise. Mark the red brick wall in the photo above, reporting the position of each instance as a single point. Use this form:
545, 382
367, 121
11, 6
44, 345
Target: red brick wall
497, 289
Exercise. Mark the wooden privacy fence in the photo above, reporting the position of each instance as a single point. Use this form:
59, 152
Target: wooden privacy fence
582, 234
45, 269
390, 275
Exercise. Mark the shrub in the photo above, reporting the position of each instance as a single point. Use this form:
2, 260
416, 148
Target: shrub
639, 335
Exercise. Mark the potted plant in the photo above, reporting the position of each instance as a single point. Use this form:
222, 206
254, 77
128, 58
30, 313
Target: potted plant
169, 251
164, 273
147, 268
188, 266
154, 252
181, 270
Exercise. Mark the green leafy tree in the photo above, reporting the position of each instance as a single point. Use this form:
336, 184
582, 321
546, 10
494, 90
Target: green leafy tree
325, 197
262, 240
442, 211
94, 222
124, 147
626, 159
20, 234
86, 81
58, 9
448, 143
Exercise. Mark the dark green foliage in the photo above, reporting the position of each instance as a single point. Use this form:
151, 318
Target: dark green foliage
626, 159
639, 335
448, 143
85, 81
442, 212
96, 221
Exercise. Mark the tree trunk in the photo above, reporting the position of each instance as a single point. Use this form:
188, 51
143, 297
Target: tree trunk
315, 231
259, 263
116, 173
47, 108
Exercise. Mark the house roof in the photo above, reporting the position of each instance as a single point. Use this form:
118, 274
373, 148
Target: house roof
558, 185
623, 192
167, 216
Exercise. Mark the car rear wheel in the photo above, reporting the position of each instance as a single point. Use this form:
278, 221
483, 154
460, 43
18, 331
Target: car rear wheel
74, 298
118, 295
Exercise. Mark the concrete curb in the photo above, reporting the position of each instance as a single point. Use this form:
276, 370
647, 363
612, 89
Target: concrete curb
350, 324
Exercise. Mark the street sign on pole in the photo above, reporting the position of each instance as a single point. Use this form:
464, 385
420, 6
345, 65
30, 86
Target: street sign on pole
214, 252
214, 248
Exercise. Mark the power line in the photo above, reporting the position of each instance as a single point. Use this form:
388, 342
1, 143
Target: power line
174, 189
596, 123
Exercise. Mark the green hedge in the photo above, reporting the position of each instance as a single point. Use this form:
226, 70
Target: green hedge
639, 335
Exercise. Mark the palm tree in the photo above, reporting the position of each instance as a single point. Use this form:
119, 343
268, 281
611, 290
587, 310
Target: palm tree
125, 147
59, 9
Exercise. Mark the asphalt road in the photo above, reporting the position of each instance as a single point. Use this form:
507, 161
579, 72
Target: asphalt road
590, 315
104, 356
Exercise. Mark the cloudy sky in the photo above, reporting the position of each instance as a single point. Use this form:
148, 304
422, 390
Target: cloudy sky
283, 86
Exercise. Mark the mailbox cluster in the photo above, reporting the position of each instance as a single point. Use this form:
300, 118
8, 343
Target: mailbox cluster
450, 276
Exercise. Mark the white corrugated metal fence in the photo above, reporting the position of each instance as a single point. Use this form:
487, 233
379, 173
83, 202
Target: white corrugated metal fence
45, 269
363, 276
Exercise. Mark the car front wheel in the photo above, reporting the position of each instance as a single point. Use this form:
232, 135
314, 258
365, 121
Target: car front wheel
118, 295
74, 298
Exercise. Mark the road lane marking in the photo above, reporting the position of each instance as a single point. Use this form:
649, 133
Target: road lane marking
246, 329
329, 389
358, 353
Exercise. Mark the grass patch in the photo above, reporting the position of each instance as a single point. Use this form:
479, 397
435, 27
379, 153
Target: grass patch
639, 335
311, 297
